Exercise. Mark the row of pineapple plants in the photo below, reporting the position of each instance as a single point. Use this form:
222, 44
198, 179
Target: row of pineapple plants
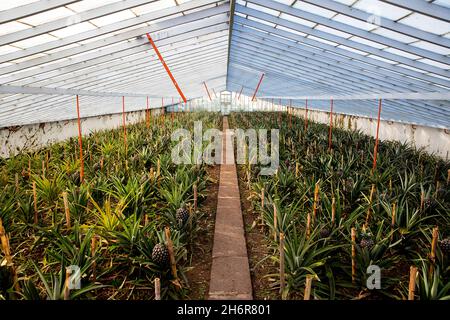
117, 223
320, 194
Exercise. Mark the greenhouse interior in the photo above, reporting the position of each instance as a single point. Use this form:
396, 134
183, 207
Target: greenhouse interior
225, 150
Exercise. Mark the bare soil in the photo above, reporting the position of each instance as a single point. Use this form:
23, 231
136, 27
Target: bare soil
199, 275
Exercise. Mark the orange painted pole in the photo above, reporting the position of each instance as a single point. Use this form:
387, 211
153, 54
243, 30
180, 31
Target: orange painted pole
331, 125
80, 142
257, 87
306, 116
207, 91
166, 67
240, 92
148, 115
124, 125
375, 150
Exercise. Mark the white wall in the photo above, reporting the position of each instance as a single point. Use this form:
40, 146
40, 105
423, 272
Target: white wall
433, 140
14, 140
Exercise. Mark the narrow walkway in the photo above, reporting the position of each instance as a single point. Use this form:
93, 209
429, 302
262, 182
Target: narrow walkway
230, 272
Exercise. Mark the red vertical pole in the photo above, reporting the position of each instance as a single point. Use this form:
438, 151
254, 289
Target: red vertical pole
306, 116
80, 142
240, 92
148, 115
331, 125
257, 87
207, 91
375, 150
124, 125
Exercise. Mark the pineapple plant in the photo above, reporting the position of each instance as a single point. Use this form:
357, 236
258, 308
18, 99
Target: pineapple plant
182, 216
160, 255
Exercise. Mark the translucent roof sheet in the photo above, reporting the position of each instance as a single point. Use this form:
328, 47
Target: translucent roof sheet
304, 47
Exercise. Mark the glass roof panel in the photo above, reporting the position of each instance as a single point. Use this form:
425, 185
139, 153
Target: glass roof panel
31, 42
382, 59
368, 42
263, 9
394, 35
292, 31
333, 31
402, 53
431, 47
354, 22
297, 20
382, 9
74, 29
10, 4
331, 43
426, 23
112, 18
435, 64
47, 16
314, 9
352, 50
89, 4
262, 21
11, 27
153, 6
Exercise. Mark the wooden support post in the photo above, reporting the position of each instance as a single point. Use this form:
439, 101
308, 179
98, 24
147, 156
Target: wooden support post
308, 285
308, 225
66, 285
80, 141
375, 149
94, 263
353, 235
5, 244
394, 209
157, 289
282, 263
35, 203
434, 241
173, 262
66, 210
412, 282
316, 201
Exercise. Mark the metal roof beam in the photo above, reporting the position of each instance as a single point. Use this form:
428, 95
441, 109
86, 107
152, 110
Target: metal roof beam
180, 34
348, 54
196, 18
351, 30
426, 8
384, 22
346, 42
67, 21
32, 9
